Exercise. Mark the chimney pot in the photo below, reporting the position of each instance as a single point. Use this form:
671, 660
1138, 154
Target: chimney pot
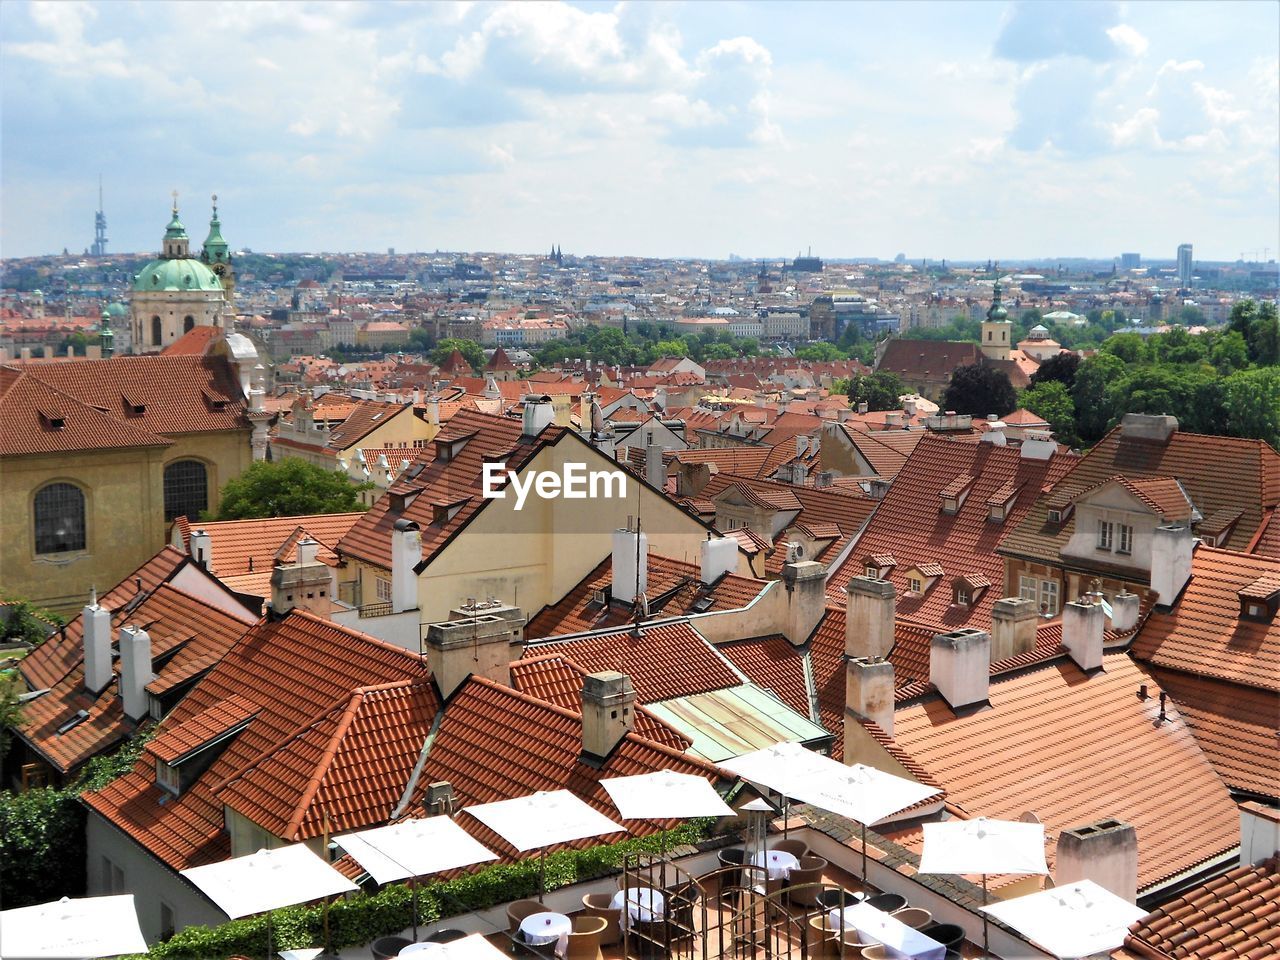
805, 583
1124, 611
608, 712
869, 615
719, 556
406, 553
95, 627
480, 641
1082, 624
1171, 549
629, 581
868, 692
1013, 627
202, 550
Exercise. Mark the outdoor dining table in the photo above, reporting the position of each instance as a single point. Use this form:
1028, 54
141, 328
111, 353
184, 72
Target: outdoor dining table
900, 941
643, 903
423, 951
541, 929
777, 863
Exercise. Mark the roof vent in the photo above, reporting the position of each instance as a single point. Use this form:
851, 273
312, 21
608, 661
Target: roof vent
440, 798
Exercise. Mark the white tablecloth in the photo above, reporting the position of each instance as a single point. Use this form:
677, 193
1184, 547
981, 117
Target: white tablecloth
422, 951
541, 929
643, 903
900, 941
777, 863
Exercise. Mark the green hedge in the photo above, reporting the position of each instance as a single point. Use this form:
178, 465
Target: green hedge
364, 918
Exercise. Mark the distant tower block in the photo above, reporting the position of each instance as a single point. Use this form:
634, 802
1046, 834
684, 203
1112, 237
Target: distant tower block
99, 248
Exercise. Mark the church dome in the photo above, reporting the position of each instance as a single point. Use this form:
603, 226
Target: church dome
185, 274
118, 310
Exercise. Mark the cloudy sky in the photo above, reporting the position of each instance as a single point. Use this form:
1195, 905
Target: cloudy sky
962, 130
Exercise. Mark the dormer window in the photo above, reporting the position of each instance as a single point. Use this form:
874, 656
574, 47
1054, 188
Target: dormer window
920, 578
954, 494
872, 572
168, 778
915, 585
960, 596
1260, 600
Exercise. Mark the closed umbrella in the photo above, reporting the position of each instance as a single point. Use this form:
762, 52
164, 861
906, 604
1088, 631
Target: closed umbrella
1076, 920
267, 880
983, 846
85, 927
414, 848
541, 820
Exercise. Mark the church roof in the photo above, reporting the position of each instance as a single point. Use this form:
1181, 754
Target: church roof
187, 274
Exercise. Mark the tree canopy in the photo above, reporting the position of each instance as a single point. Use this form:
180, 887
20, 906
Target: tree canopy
470, 350
879, 391
287, 488
978, 390
1051, 401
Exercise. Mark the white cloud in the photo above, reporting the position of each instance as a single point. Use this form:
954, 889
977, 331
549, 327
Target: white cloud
1128, 39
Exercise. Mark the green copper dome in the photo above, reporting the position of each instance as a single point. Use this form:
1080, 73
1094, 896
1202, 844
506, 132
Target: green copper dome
118, 310
175, 230
215, 248
176, 275
996, 312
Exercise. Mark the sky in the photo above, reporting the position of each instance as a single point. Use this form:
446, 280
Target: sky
957, 130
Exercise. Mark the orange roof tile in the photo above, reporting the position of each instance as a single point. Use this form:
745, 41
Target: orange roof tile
194, 343
773, 663
181, 739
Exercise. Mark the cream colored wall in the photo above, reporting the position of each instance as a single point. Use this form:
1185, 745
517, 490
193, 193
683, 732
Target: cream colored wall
124, 513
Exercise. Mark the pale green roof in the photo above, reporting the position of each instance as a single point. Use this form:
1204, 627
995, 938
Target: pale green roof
176, 275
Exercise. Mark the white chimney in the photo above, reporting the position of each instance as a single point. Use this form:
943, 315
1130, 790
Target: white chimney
1082, 624
909, 406
995, 434
1105, 852
406, 553
1259, 833
959, 666
862, 407
538, 414
868, 693
1171, 548
202, 549
655, 471
799, 473
483, 641
433, 412
1037, 445
719, 556
95, 628
135, 670
1013, 627
1124, 611
306, 551
869, 614
893, 418
608, 712
630, 564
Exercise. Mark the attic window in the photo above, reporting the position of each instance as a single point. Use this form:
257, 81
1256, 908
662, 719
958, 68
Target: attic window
960, 595
954, 494
133, 406
168, 778
52, 419
77, 718
1260, 600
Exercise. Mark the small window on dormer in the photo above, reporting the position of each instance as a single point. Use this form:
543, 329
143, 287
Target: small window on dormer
873, 572
1055, 516
915, 585
961, 596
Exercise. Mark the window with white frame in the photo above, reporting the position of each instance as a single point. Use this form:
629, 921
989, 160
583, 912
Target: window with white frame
915, 585
873, 572
1049, 597
1106, 530
962, 596
1028, 588
383, 589
1124, 538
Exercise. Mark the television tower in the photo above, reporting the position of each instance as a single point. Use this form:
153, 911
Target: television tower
99, 248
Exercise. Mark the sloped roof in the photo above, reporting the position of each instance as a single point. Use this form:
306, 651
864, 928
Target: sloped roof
773, 663
936, 358
180, 739
885, 450
1164, 495
909, 525
1108, 759
194, 343
499, 361
364, 417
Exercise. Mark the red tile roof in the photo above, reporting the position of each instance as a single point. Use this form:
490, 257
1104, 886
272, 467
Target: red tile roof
194, 343
913, 359
884, 450
773, 663
909, 525
1108, 758
181, 739
1164, 495
1232, 917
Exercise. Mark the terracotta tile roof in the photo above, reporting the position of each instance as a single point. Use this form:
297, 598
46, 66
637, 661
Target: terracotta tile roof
1232, 917
936, 358
826, 657
773, 663
295, 670
909, 524
668, 660
179, 740
194, 343
351, 763
365, 417
847, 509
444, 480
1266, 542
742, 461
1108, 759
175, 620
1217, 473
499, 361
455, 363
675, 587
1164, 495
495, 743
885, 450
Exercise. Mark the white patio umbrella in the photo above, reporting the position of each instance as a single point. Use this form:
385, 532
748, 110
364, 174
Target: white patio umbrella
983, 846
665, 795
267, 880
86, 927
541, 820
473, 947
1077, 920
414, 848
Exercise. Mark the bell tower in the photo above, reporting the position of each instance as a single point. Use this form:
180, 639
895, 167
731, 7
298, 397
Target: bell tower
996, 329
217, 255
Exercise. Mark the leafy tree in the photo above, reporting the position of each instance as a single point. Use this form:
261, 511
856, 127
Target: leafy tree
1192, 394
1252, 401
1093, 405
819, 352
978, 389
470, 350
1259, 326
1229, 353
10, 712
1129, 347
719, 351
1032, 317
420, 339
1177, 346
1191, 315
286, 488
1060, 368
1051, 401
879, 391
30, 624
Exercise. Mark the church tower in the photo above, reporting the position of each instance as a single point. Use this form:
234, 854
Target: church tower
996, 329
217, 255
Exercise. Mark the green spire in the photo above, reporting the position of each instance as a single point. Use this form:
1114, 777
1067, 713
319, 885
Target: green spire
996, 312
215, 248
106, 336
175, 230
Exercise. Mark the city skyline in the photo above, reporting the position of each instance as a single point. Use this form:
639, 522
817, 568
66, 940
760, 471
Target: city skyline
1001, 131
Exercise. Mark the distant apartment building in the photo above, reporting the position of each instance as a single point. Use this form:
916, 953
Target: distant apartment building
785, 325
1184, 264
1130, 261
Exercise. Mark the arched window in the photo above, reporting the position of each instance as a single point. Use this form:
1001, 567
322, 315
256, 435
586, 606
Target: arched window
155, 331
186, 489
59, 511
188, 323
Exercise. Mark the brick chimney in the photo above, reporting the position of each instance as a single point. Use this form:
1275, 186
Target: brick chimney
305, 584
406, 554
1171, 548
869, 614
868, 694
959, 666
1105, 852
1259, 833
95, 627
608, 712
1013, 627
1082, 624
202, 549
135, 670
806, 583
630, 564
1124, 611
719, 556
479, 642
